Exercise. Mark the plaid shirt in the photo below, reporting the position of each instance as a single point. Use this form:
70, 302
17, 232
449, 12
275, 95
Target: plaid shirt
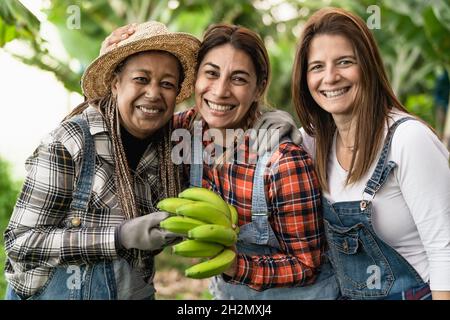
41, 233
294, 204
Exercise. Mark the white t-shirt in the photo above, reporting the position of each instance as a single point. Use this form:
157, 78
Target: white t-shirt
412, 209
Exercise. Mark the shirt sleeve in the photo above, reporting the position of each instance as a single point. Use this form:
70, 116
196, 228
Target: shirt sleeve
35, 235
308, 144
295, 205
424, 178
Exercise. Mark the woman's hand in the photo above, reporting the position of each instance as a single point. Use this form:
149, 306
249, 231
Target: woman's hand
116, 36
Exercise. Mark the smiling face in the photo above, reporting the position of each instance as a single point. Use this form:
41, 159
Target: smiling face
226, 87
146, 90
333, 74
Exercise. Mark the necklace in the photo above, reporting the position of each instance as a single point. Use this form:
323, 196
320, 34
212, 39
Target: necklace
351, 148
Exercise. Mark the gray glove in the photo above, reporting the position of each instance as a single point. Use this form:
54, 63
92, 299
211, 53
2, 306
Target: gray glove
272, 126
143, 233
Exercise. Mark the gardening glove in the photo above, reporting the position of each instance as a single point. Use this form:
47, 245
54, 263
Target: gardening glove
143, 233
272, 126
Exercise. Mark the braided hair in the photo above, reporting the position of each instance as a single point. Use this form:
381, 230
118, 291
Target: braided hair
169, 174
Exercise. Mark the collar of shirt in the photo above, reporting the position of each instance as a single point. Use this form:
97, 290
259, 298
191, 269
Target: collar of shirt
99, 130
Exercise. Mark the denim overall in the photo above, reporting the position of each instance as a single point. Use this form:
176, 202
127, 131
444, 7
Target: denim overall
258, 238
366, 267
79, 282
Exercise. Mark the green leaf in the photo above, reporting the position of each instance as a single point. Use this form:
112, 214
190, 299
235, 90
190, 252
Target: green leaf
438, 35
17, 22
442, 11
14, 13
7, 33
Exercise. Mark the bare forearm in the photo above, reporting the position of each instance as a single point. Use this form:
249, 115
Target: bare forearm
441, 295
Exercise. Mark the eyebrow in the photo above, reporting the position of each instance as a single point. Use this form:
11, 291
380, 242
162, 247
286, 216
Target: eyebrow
147, 71
339, 58
233, 73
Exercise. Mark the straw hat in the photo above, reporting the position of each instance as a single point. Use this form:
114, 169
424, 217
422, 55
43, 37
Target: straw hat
96, 80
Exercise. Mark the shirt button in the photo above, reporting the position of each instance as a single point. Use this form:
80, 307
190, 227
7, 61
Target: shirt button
76, 222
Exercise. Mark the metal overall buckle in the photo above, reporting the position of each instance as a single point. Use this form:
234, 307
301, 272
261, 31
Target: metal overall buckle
365, 202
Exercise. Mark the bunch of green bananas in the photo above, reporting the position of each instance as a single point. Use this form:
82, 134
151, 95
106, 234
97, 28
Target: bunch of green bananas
209, 223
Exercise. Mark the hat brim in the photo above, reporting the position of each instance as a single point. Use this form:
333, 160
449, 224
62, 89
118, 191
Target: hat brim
96, 80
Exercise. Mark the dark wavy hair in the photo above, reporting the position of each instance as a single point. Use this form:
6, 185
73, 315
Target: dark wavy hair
251, 43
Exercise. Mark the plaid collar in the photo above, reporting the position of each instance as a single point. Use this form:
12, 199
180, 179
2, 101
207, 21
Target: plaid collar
95, 119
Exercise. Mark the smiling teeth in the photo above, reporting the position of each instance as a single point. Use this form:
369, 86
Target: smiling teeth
219, 107
335, 93
148, 110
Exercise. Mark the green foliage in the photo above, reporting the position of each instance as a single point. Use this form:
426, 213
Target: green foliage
422, 105
9, 190
2, 276
206, 295
414, 37
437, 32
16, 22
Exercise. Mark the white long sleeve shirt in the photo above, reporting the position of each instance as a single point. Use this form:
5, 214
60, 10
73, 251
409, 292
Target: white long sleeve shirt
412, 209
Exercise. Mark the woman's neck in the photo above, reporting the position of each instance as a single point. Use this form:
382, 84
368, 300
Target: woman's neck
134, 147
345, 132
345, 141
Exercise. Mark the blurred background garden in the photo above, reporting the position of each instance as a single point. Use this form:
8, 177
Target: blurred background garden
46, 45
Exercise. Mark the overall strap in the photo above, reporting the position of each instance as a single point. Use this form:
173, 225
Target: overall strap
260, 211
83, 188
382, 168
259, 203
196, 170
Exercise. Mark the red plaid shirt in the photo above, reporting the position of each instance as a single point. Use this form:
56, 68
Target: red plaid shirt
294, 204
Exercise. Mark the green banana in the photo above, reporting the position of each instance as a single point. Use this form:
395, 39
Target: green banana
205, 195
234, 215
197, 249
214, 233
204, 211
171, 204
234, 218
213, 266
180, 224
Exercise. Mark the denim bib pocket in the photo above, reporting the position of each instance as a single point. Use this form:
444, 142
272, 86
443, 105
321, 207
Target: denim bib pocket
357, 258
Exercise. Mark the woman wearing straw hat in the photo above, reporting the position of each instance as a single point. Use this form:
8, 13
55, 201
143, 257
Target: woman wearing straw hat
281, 240
84, 225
